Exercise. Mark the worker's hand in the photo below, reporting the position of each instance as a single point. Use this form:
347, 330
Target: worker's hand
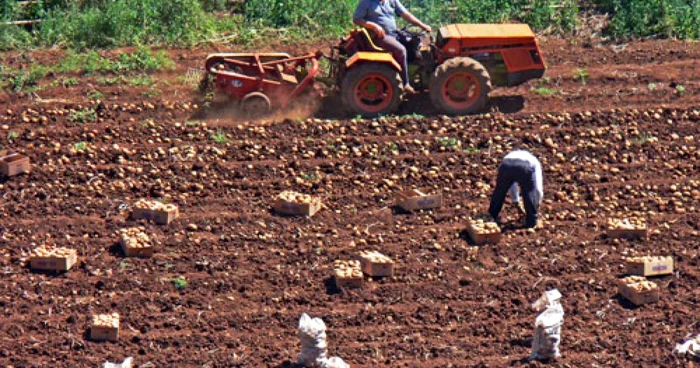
427, 28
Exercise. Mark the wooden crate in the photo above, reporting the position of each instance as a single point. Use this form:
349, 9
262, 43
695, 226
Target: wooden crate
284, 206
12, 164
105, 327
627, 233
347, 274
155, 211
637, 297
650, 266
621, 228
412, 200
56, 259
135, 243
483, 238
376, 264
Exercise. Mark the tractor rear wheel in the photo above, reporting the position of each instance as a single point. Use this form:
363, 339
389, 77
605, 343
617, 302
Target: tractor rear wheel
460, 86
372, 89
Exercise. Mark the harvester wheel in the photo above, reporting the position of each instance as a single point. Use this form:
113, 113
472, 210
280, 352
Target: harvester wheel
372, 89
255, 104
460, 86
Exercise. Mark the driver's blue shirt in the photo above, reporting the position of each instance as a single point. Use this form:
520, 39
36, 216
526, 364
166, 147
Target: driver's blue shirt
381, 12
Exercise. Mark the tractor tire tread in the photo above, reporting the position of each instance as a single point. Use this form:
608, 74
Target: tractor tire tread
450, 66
355, 73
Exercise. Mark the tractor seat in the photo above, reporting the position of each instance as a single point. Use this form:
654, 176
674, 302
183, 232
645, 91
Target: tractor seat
366, 42
286, 77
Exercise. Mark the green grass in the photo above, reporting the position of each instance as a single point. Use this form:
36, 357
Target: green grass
668, 18
139, 62
102, 24
152, 92
219, 137
69, 82
20, 80
448, 142
179, 282
140, 81
545, 91
83, 116
581, 75
95, 95
110, 81
680, 89
12, 135
80, 146
130, 22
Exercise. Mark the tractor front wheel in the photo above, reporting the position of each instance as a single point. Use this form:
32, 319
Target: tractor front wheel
371, 89
460, 86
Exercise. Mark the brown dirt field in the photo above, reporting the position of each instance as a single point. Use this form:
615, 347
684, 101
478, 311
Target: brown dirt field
610, 147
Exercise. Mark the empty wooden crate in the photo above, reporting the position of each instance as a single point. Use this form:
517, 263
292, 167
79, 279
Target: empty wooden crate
413, 200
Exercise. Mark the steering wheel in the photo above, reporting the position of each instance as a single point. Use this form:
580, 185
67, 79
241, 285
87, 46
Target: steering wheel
419, 33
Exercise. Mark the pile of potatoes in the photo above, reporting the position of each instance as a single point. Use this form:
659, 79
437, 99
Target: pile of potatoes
647, 259
45, 252
106, 320
375, 257
135, 237
639, 284
347, 269
294, 197
485, 227
147, 204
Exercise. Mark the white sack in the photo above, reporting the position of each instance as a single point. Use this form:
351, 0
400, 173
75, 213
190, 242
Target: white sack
547, 336
312, 334
691, 347
125, 364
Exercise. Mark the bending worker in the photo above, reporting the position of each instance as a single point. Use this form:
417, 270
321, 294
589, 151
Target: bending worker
378, 16
519, 168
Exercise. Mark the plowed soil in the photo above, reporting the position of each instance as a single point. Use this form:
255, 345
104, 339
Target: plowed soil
623, 143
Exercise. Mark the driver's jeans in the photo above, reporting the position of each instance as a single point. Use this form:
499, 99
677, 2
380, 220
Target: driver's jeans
398, 51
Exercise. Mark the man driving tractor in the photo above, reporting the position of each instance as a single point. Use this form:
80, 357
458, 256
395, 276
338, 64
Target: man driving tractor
378, 16
374, 66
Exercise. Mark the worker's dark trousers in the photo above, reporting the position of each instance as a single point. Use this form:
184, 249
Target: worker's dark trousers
398, 51
516, 171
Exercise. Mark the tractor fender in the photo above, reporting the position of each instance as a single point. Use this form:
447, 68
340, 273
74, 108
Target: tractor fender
373, 57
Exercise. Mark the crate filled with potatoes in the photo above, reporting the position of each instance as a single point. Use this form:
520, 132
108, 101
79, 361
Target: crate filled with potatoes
639, 290
376, 264
627, 228
53, 259
649, 265
347, 273
135, 242
158, 212
483, 231
292, 203
105, 327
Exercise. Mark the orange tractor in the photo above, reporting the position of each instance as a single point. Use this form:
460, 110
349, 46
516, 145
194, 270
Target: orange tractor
458, 69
